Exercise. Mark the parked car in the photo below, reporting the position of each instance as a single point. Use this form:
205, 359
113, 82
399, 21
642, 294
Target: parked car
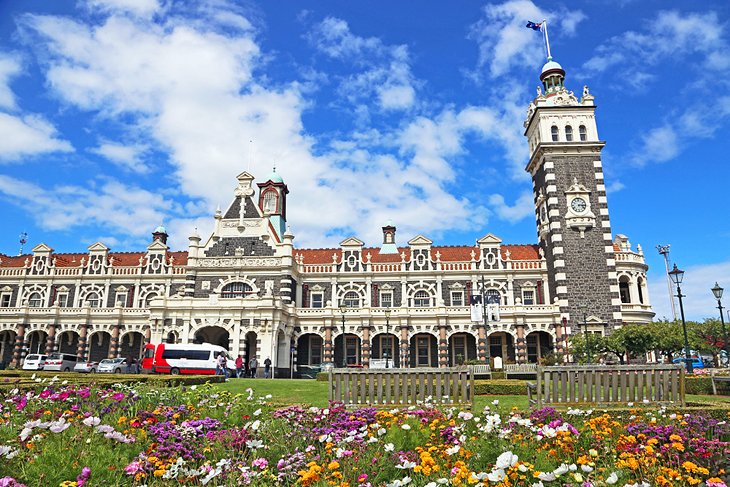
34, 361
86, 367
61, 362
697, 362
112, 366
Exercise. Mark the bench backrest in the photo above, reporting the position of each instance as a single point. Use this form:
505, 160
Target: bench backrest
603, 384
520, 368
402, 387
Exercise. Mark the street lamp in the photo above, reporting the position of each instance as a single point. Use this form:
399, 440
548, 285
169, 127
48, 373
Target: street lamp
584, 309
676, 275
717, 291
486, 323
343, 308
387, 336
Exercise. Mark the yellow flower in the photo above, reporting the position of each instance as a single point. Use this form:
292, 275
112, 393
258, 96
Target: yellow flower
334, 465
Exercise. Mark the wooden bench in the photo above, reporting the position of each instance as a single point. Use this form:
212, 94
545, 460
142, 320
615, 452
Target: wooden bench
608, 384
721, 383
481, 371
402, 387
520, 371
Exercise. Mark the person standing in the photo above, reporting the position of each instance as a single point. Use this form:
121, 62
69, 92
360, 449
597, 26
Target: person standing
267, 367
222, 364
253, 365
239, 366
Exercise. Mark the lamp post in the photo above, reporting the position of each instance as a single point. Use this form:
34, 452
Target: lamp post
387, 336
677, 275
343, 309
584, 309
486, 323
717, 291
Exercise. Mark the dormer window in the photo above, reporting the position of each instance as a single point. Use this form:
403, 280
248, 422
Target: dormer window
583, 133
554, 133
569, 133
35, 300
270, 202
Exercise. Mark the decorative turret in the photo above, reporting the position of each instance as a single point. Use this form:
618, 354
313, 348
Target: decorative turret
272, 201
160, 234
389, 246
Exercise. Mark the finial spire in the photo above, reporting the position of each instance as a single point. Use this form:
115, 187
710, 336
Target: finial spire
23, 239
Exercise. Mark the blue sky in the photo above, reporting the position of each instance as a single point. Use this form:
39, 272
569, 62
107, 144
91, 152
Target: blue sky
117, 115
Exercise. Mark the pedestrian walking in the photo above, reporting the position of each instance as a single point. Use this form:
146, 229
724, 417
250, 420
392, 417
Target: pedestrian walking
267, 367
239, 367
253, 365
222, 368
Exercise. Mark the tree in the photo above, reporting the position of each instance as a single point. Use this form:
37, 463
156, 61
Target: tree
667, 337
709, 337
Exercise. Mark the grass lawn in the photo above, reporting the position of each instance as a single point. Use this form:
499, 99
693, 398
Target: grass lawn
314, 393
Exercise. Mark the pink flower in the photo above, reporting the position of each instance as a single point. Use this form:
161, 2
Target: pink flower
133, 468
44, 394
260, 463
118, 396
83, 476
20, 405
362, 478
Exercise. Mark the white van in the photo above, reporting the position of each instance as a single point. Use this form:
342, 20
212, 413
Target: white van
61, 362
184, 359
34, 361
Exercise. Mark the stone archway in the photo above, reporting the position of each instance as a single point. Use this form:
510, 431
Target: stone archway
7, 343
37, 341
462, 347
351, 348
385, 346
99, 345
423, 350
310, 350
68, 342
131, 343
215, 335
539, 345
502, 344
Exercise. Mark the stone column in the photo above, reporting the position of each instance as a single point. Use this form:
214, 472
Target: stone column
521, 345
51, 339
114, 345
365, 347
328, 356
482, 343
559, 343
404, 362
18, 349
81, 350
443, 346
148, 334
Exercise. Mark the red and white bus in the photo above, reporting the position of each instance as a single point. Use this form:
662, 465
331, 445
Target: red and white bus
167, 358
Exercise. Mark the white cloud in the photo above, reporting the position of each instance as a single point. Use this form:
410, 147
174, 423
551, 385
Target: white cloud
658, 145
523, 207
125, 156
699, 302
505, 42
109, 205
9, 68
27, 136
137, 7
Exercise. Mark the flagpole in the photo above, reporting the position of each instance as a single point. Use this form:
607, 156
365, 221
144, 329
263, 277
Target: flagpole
547, 40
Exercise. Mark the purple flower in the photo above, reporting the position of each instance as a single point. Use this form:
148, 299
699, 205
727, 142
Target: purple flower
83, 476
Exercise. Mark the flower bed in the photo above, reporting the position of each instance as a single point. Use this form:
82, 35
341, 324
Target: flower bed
72, 435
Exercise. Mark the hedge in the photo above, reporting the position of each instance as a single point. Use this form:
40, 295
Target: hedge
699, 384
10, 381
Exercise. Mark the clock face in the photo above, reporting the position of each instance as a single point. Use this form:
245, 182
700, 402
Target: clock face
578, 205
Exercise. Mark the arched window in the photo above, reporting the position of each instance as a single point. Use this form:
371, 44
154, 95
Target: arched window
149, 298
351, 299
236, 290
623, 289
583, 133
270, 202
568, 133
421, 299
554, 132
92, 300
493, 296
35, 300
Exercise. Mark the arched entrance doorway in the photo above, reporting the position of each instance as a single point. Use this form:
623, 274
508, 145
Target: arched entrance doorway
7, 343
424, 350
68, 342
131, 344
502, 345
462, 347
215, 335
37, 341
539, 345
99, 344
351, 349
385, 345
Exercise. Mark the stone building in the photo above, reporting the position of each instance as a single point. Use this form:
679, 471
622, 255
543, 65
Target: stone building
249, 288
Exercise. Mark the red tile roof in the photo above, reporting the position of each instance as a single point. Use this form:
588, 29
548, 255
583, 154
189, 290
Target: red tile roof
447, 253
121, 259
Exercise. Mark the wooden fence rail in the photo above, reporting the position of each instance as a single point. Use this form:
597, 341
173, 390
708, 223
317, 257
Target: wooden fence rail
603, 384
402, 387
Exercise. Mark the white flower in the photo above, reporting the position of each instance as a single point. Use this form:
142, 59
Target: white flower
586, 468
257, 412
453, 450
255, 425
563, 468
25, 433
612, 479
406, 465
193, 387
254, 444
405, 426
496, 475
522, 468
389, 447
538, 484
91, 421
104, 428
506, 460
5, 450
466, 415
58, 426
546, 476
495, 402
382, 431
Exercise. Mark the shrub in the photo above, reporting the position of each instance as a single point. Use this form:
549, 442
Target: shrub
501, 387
697, 384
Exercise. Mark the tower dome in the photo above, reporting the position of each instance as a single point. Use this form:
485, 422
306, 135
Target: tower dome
274, 177
552, 76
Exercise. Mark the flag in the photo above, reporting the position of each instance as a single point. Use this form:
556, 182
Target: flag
475, 303
534, 26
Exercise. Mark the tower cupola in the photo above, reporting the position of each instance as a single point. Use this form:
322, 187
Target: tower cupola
552, 77
272, 200
389, 246
160, 234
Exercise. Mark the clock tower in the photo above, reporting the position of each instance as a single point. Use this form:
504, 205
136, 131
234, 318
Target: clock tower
571, 208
